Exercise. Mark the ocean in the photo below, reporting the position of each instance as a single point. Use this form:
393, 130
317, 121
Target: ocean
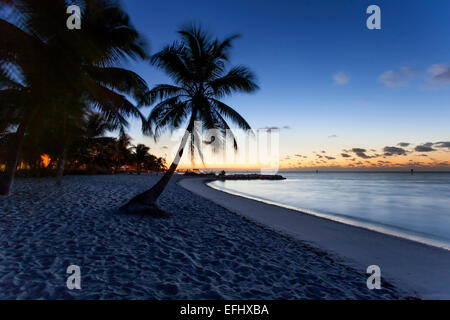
415, 206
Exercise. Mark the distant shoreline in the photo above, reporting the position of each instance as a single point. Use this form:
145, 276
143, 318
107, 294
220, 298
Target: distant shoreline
414, 266
323, 170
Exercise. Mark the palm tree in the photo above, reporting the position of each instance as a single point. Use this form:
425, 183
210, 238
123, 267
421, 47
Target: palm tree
154, 163
140, 155
160, 164
84, 137
198, 67
46, 68
122, 150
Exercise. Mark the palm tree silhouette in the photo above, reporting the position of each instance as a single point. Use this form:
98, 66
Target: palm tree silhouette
47, 69
140, 156
198, 67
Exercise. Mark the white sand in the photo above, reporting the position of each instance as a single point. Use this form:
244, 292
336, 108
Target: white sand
202, 252
412, 266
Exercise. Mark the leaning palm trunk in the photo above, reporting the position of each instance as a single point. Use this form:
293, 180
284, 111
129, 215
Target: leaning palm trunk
146, 202
12, 158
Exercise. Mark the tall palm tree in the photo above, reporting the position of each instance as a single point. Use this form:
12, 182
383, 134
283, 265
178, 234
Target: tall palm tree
140, 155
198, 67
46, 67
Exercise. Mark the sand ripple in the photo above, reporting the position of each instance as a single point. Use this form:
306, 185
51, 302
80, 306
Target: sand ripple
202, 252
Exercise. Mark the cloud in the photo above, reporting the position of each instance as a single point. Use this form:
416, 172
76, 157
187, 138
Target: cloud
361, 153
270, 128
341, 78
332, 136
442, 144
275, 128
390, 151
426, 147
439, 73
397, 79
404, 144
345, 155
330, 158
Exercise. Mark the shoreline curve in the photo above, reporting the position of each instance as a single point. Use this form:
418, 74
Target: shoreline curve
351, 221
418, 268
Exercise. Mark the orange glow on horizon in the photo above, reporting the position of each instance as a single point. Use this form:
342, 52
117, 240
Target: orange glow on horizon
438, 161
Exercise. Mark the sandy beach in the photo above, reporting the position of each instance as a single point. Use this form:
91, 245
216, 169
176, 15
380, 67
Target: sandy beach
417, 268
156, 151
203, 251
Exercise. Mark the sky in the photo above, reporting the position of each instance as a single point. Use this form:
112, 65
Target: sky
338, 92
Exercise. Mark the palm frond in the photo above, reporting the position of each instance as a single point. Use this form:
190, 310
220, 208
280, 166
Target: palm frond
231, 114
238, 79
196, 40
161, 92
168, 114
114, 106
171, 61
10, 76
221, 48
17, 46
109, 35
119, 79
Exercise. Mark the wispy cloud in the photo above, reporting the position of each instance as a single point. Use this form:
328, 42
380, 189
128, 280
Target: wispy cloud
439, 73
439, 77
361, 153
274, 128
341, 78
404, 144
443, 144
426, 147
397, 79
390, 151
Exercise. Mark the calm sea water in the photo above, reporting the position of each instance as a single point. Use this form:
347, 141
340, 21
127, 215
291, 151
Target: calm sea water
412, 206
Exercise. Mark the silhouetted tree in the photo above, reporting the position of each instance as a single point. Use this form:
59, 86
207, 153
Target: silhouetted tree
141, 156
197, 65
48, 69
